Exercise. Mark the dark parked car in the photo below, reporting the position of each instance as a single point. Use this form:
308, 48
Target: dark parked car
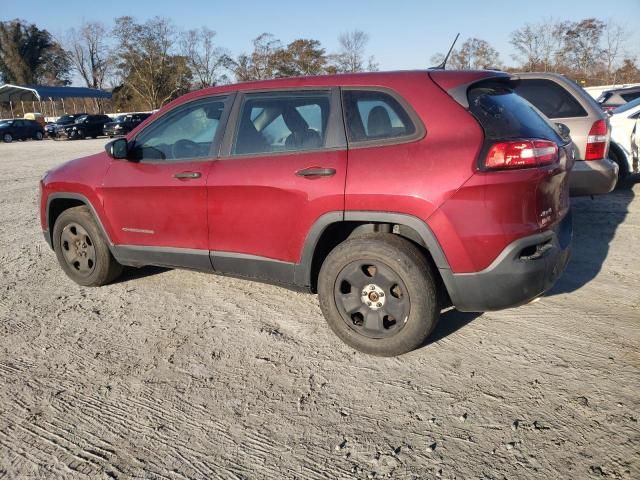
52, 129
85, 126
391, 195
123, 124
20, 129
611, 99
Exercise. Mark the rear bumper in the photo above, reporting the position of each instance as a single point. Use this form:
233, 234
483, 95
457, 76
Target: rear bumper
593, 177
523, 271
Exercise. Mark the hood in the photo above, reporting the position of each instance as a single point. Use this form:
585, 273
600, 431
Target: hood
84, 170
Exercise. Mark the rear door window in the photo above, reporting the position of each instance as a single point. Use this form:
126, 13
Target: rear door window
550, 98
503, 115
282, 122
375, 116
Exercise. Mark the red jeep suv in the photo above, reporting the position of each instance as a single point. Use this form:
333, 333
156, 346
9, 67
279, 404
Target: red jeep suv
391, 195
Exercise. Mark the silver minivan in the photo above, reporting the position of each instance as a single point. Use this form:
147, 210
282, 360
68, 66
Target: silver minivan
563, 101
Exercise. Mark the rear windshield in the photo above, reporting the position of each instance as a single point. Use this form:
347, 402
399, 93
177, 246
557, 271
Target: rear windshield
503, 115
550, 98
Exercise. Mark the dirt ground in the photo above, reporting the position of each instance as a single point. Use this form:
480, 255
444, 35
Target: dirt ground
177, 375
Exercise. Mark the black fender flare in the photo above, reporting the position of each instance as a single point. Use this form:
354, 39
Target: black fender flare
430, 242
72, 196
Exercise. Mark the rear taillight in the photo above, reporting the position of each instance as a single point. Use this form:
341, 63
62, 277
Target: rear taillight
521, 154
597, 141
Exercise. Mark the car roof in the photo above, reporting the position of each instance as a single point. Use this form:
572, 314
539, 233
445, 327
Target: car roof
623, 90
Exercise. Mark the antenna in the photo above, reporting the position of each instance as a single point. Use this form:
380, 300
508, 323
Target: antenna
443, 64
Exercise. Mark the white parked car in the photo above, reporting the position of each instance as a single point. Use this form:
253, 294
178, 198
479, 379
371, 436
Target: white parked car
624, 124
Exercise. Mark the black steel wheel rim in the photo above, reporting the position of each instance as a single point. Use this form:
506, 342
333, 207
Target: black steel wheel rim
78, 249
372, 298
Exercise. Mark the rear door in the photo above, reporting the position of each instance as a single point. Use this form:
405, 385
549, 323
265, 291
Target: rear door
283, 166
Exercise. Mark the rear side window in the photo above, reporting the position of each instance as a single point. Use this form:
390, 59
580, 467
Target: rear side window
283, 122
550, 98
373, 115
503, 115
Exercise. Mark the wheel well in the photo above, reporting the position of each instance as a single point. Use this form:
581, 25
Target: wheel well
59, 205
337, 233
619, 157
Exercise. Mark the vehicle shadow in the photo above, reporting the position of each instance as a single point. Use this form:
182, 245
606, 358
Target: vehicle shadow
450, 321
133, 273
595, 222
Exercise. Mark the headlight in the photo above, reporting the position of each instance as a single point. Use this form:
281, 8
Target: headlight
117, 127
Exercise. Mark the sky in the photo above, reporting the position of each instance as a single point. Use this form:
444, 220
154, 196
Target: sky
403, 34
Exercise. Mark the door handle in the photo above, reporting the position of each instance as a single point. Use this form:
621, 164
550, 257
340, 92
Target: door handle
187, 175
316, 172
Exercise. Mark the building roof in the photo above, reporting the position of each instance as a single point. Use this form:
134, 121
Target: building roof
34, 93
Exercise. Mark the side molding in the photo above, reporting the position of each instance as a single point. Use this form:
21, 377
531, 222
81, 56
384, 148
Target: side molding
253, 267
137, 256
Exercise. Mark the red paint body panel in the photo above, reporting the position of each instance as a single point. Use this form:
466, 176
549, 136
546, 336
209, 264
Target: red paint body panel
258, 206
147, 205
83, 176
416, 178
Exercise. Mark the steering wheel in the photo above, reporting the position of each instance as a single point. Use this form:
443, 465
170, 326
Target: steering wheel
184, 148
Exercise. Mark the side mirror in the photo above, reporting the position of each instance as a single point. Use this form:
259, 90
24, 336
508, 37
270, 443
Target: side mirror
117, 149
565, 132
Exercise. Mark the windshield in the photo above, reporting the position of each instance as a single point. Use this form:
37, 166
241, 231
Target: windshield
81, 118
626, 106
121, 118
5, 123
66, 119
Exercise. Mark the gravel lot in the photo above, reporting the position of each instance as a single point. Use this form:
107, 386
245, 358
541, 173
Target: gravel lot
179, 375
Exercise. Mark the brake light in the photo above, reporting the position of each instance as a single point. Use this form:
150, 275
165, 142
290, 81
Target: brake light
597, 141
521, 154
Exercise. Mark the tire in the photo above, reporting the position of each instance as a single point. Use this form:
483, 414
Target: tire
39, 136
7, 138
80, 135
82, 250
354, 296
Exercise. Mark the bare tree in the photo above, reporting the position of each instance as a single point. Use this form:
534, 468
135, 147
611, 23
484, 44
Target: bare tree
351, 56
474, 54
537, 45
582, 51
206, 60
614, 42
262, 63
90, 53
148, 63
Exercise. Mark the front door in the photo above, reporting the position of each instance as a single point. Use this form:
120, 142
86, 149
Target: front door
156, 201
283, 167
